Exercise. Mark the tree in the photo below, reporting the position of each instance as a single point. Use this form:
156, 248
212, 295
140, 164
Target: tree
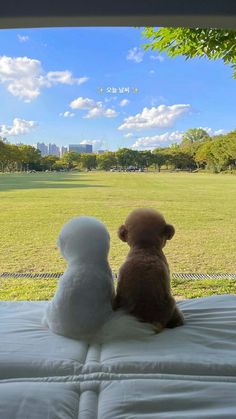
194, 134
11, 157
203, 156
144, 159
106, 161
231, 138
217, 154
70, 159
194, 42
49, 162
4, 152
192, 140
28, 157
88, 161
180, 159
160, 157
126, 157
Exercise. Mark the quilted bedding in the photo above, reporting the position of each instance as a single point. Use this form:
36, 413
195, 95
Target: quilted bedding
187, 372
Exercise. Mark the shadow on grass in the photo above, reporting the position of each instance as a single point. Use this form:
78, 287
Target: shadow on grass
45, 181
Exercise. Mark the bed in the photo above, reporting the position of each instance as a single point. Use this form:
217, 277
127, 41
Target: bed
187, 372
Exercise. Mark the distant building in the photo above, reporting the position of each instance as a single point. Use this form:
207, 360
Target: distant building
81, 148
75, 147
88, 148
43, 148
63, 151
53, 150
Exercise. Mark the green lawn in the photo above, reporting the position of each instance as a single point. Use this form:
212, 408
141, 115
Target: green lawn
35, 206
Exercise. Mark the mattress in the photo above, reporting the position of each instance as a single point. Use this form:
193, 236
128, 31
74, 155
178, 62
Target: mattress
187, 372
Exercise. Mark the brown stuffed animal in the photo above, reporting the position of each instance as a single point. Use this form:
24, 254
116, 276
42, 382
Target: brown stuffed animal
144, 278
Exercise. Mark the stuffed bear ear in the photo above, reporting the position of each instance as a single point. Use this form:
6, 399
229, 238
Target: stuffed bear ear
169, 231
123, 233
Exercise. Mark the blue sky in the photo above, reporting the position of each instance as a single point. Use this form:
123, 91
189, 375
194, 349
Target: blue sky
50, 81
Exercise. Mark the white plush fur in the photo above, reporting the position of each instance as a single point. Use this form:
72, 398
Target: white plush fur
82, 305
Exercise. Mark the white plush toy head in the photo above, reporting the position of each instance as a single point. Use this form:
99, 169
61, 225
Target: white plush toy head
84, 238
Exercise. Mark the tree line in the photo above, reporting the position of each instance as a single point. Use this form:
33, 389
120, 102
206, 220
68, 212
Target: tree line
197, 150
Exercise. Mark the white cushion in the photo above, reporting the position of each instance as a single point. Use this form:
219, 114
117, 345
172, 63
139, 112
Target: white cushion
172, 397
187, 372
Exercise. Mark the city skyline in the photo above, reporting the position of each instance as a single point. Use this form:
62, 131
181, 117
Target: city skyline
98, 86
52, 149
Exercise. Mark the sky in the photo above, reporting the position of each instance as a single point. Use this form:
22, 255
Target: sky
98, 86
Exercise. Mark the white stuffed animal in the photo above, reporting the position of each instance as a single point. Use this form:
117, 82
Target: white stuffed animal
82, 305
83, 300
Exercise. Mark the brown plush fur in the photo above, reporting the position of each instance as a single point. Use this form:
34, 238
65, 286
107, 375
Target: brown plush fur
144, 278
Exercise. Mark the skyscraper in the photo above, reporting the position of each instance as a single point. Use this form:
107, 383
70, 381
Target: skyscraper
88, 148
43, 148
54, 150
81, 148
63, 150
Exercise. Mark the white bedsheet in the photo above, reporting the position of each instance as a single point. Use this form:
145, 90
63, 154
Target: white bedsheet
187, 372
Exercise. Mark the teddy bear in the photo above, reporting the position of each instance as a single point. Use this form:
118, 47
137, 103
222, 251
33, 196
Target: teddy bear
143, 288
82, 305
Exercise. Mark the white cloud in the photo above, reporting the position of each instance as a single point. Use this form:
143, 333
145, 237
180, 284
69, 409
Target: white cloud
157, 57
218, 132
96, 143
64, 77
86, 142
94, 112
149, 143
135, 54
213, 132
67, 114
95, 109
24, 77
129, 135
162, 116
98, 111
152, 72
110, 113
82, 103
22, 38
124, 102
19, 127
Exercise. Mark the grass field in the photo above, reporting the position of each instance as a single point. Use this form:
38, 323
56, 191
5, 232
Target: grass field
35, 206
